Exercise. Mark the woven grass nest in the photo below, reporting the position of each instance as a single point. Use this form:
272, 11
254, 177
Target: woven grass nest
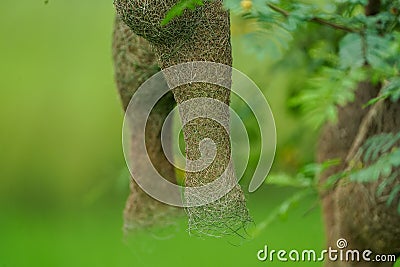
202, 34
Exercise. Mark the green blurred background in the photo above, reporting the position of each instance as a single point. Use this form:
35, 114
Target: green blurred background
63, 179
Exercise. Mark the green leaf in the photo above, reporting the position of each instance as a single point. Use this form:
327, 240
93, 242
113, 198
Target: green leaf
393, 194
390, 91
179, 8
381, 154
283, 179
306, 176
331, 87
378, 52
350, 51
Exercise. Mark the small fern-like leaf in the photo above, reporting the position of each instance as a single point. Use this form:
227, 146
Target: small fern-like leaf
179, 8
382, 157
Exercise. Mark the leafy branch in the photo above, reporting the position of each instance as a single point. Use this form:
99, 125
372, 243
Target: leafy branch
390, 90
306, 180
379, 158
282, 210
331, 87
314, 19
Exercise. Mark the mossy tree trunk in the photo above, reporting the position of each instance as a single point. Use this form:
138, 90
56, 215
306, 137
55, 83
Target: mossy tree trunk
353, 210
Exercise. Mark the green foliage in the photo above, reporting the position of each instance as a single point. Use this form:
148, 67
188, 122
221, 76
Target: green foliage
306, 176
179, 8
392, 89
284, 179
350, 52
334, 85
305, 180
381, 155
270, 39
281, 212
378, 52
329, 88
272, 43
371, 41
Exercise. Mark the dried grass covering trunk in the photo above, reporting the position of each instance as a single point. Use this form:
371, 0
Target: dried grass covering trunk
202, 34
135, 62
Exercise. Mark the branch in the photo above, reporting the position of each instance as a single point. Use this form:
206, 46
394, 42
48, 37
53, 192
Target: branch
314, 19
366, 123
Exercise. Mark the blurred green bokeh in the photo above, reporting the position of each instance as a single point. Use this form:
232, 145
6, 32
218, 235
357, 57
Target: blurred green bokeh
63, 179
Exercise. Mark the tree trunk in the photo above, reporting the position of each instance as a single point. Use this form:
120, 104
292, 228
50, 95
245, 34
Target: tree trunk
353, 211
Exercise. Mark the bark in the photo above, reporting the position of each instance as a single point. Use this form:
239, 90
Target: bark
353, 210
335, 141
